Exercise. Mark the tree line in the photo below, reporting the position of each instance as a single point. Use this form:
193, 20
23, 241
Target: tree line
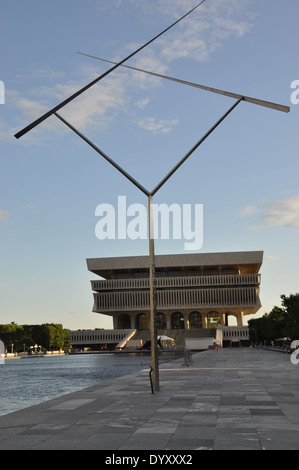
281, 322
48, 336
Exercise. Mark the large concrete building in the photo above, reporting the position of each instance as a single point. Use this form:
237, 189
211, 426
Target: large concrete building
194, 291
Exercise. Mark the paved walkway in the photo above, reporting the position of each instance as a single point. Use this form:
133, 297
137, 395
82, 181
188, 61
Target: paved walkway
226, 399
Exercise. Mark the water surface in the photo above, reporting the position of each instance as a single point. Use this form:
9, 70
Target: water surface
32, 380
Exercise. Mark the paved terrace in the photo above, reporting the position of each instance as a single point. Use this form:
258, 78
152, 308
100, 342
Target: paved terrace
227, 399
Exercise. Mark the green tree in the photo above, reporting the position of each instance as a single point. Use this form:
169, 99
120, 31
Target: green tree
55, 336
52, 336
280, 322
276, 323
49, 336
257, 329
12, 334
291, 306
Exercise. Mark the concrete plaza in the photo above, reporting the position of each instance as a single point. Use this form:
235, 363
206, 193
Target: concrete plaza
231, 399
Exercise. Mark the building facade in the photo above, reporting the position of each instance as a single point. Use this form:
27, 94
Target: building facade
194, 291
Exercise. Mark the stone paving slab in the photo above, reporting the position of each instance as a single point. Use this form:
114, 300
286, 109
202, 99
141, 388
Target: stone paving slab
230, 399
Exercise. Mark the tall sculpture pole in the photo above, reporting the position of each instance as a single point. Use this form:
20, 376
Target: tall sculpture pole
153, 297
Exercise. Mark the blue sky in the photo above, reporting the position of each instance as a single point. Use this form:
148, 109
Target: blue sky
245, 174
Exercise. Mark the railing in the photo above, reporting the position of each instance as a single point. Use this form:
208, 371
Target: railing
99, 336
182, 298
233, 332
175, 282
284, 349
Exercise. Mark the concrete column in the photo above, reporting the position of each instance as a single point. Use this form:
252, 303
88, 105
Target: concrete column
132, 318
204, 320
168, 321
240, 319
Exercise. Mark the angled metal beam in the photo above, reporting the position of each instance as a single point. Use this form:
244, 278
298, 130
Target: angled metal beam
86, 87
175, 168
267, 104
97, 149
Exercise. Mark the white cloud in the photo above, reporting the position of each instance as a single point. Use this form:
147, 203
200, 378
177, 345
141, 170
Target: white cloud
227, 27
149, 62
3, 215
184, 46
157, 126
94, 107
29, 107
97, 107
199, 34
196, 37
202, 32
271, 257
142, 103
248, 211
282, 213
91, 110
